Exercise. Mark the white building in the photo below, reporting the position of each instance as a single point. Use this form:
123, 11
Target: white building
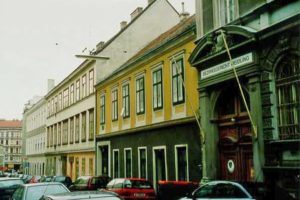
34, 136
71, 104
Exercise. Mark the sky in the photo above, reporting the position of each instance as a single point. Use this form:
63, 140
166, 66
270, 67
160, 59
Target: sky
40, 38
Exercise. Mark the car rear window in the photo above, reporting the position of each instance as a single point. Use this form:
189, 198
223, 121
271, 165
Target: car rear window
9, 183
81, 181
138, 184
36, 192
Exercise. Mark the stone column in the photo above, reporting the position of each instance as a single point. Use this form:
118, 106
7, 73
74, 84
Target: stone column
256, 113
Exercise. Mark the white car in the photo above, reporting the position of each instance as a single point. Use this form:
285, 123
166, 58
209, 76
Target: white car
220, 190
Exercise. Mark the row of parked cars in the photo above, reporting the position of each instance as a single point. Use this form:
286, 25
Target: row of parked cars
102, 187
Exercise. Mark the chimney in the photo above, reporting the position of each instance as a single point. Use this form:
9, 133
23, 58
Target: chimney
136, 12
100, 45
183, 15
51, 84
150, 1
123, 24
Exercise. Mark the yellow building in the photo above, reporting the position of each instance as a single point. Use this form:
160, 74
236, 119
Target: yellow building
145, 126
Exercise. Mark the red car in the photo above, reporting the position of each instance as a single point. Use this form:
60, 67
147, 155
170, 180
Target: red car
132, 188
90, 183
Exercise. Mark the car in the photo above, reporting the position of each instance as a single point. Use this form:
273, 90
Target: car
83, 195
220, 190
90, 183
46, 179
37, 190
132, 188
66, 180
8, 186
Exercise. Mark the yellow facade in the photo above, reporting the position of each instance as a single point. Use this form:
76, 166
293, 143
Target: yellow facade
145, 68
80, 164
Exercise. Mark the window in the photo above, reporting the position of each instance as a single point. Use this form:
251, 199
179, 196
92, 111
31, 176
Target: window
125, 101
157, 89
114, 105
78, 90
83, 86
102, 109
55, 104
142, 163
91, 81
72, 94
228, 11
58, 134
140, 94
91, 124
82, 166
76, 168
77, 128
71, 130
66, 97
59, 101
52, 106
83, 127
91, 164
288, 97
55, 134
65, 132
181, 163
128, 163
116, 165
177, 77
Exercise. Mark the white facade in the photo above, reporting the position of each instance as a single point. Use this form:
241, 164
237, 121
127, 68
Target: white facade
34, 131
157, 18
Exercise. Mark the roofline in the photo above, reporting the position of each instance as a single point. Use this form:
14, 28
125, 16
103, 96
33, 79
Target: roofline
131, 22
71, 75
141, 57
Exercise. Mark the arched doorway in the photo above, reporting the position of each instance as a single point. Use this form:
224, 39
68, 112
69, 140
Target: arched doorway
235, 138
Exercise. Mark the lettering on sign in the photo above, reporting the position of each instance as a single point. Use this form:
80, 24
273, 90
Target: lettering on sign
236, 62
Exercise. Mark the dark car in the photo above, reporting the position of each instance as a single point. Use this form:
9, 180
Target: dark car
66, 180
83, 195
8, 186
46, 179
90, 183
132, 188
220, 190
36, 191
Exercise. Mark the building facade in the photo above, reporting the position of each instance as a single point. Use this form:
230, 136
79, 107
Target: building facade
70, 124
34, 134
11, 142
261, 145
70, 121
146, 127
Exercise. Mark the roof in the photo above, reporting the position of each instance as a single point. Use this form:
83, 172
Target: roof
10, 124
83, 195
161, 40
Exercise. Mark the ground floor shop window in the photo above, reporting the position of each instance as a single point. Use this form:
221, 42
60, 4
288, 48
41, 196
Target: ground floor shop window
116, 164
128, 163
181, 163
142, 163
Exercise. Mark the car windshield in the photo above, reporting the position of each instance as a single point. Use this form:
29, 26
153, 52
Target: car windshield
138, 184
36, 192
59, 178
9, 183
220, 191
81, 181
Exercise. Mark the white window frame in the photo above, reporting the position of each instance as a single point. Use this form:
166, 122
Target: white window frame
159, 67
139, 163
113, 172
140, 110
179, 56
176, 160
102, 114
154, 163
114, 109
125, 169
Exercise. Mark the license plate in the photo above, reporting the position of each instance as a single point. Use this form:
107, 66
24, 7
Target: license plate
139, 194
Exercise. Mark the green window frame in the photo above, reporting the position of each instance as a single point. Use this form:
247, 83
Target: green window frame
125, 101
140, 95
157, 89
178, 92
102, 109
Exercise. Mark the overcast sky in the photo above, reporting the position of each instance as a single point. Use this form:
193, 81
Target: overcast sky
39, 38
